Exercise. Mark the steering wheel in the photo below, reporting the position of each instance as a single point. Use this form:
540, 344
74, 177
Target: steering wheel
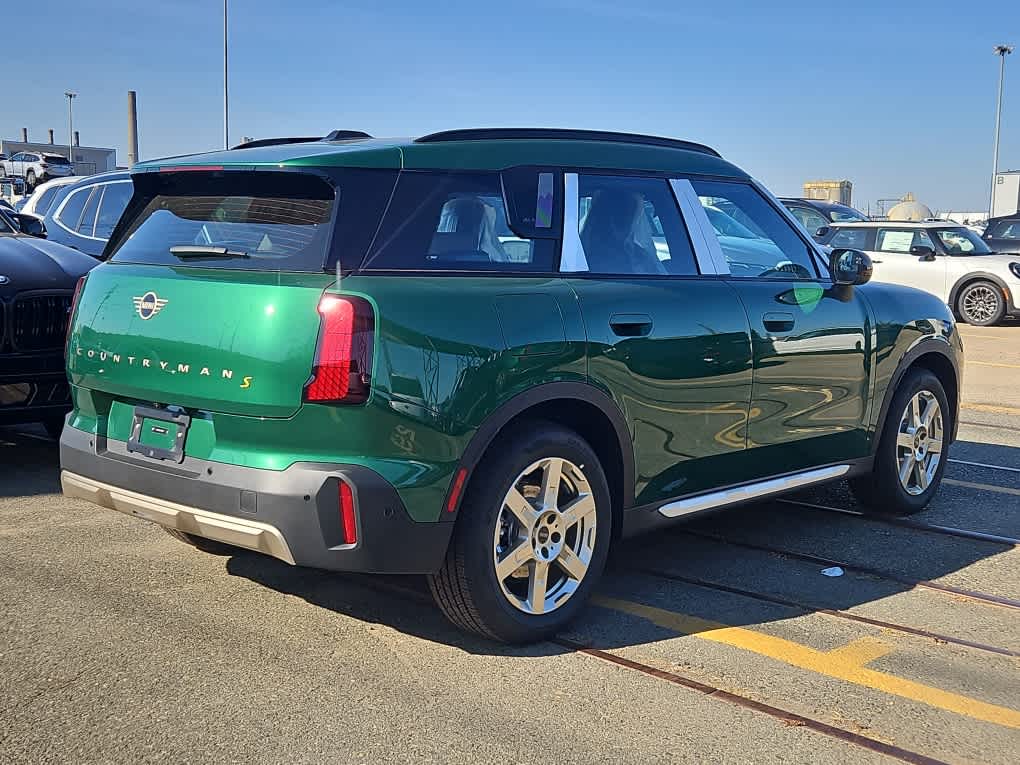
788, 267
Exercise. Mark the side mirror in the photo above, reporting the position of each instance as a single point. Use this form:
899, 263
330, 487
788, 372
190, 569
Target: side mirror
822, 231
31, 225
850, 267
923, 252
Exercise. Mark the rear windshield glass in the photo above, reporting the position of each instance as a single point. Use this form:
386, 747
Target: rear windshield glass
55, 159
252, 221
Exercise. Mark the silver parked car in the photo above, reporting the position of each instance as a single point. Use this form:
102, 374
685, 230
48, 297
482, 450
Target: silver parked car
36, 166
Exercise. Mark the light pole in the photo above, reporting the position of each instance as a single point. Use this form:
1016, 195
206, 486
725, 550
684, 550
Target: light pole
226, 116
70, 127
1001, 51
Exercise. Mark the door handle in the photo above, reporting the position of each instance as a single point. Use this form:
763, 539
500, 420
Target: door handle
778, 322
631, 324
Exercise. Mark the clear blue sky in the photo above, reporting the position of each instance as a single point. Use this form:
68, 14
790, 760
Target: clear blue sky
896, 96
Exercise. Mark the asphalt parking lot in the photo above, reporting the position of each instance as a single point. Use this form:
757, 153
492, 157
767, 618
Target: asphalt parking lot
718, 641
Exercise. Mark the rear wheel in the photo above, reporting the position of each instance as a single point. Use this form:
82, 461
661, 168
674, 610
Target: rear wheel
981, 304
531, 539
210, 546
911, 455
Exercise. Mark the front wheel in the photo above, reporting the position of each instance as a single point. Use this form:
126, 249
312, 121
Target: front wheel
531, 539
981, 304
912, 452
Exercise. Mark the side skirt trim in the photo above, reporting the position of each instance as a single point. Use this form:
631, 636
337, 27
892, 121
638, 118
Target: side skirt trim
752, 491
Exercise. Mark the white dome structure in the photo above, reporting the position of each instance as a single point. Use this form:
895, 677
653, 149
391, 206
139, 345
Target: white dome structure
910, 209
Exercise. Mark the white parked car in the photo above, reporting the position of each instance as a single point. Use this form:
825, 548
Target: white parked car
942, 258
36, 166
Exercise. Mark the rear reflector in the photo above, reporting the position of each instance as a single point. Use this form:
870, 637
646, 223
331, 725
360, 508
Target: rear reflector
347, 520
455, 490
343, 357
70, 313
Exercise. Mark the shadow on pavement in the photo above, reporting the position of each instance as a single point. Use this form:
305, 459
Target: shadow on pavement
29, 462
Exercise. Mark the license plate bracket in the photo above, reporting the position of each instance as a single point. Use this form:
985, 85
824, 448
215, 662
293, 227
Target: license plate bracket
171, 425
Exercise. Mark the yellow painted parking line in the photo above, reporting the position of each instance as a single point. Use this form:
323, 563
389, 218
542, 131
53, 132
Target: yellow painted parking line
982, 486
992, 364
991, 408
846, 663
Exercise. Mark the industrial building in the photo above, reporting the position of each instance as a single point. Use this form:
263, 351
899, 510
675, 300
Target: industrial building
87, 160
830, 191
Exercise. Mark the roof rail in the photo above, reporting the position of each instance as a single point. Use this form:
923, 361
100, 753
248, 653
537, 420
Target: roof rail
561, 134
336, 135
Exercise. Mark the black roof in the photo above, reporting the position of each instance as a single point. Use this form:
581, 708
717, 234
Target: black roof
562, 134
336, 135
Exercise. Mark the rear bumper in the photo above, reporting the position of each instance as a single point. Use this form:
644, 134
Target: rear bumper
291, 514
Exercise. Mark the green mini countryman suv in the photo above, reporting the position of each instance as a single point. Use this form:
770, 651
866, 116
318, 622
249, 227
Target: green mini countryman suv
485, 356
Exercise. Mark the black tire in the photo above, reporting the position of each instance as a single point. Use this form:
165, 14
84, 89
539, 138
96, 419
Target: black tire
981, 303
466, 588
210, 546
882, 491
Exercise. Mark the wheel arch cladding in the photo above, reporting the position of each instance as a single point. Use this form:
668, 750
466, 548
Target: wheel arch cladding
933, 358
580, 407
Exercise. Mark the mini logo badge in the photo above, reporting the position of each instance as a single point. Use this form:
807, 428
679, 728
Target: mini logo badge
149, 304
3, 279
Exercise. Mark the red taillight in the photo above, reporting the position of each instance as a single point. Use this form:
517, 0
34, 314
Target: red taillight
70, 312
347, 521
455, 490
343, 357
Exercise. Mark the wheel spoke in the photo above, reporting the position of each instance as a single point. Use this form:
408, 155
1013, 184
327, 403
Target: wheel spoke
931, 410
915, 411
514, 560
551, 475
577, 511
521, 508
537, 583
905, 440
921, 475
906, 465
572, 564
935, 446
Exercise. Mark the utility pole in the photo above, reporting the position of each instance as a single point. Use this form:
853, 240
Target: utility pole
70, 127
226, 102
1001, 51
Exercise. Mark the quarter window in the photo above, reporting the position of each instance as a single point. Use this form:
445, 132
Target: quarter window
901, 240
70, 213
632, 226
115, 199
850, 238
458, 222
755, 239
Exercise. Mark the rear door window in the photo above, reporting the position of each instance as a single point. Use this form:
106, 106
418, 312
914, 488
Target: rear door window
88, 218
236, 220
850, 238
901, 240
70, 212
115, 199
458, 222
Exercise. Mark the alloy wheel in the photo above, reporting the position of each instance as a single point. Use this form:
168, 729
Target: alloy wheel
545, 536
980, 304
919, 442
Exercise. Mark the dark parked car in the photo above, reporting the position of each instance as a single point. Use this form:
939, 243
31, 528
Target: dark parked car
815, 214
84, 214
37, 282
1003, 234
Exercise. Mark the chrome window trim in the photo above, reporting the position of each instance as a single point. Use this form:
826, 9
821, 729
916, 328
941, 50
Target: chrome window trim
90, 187
707, 252
572, 258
